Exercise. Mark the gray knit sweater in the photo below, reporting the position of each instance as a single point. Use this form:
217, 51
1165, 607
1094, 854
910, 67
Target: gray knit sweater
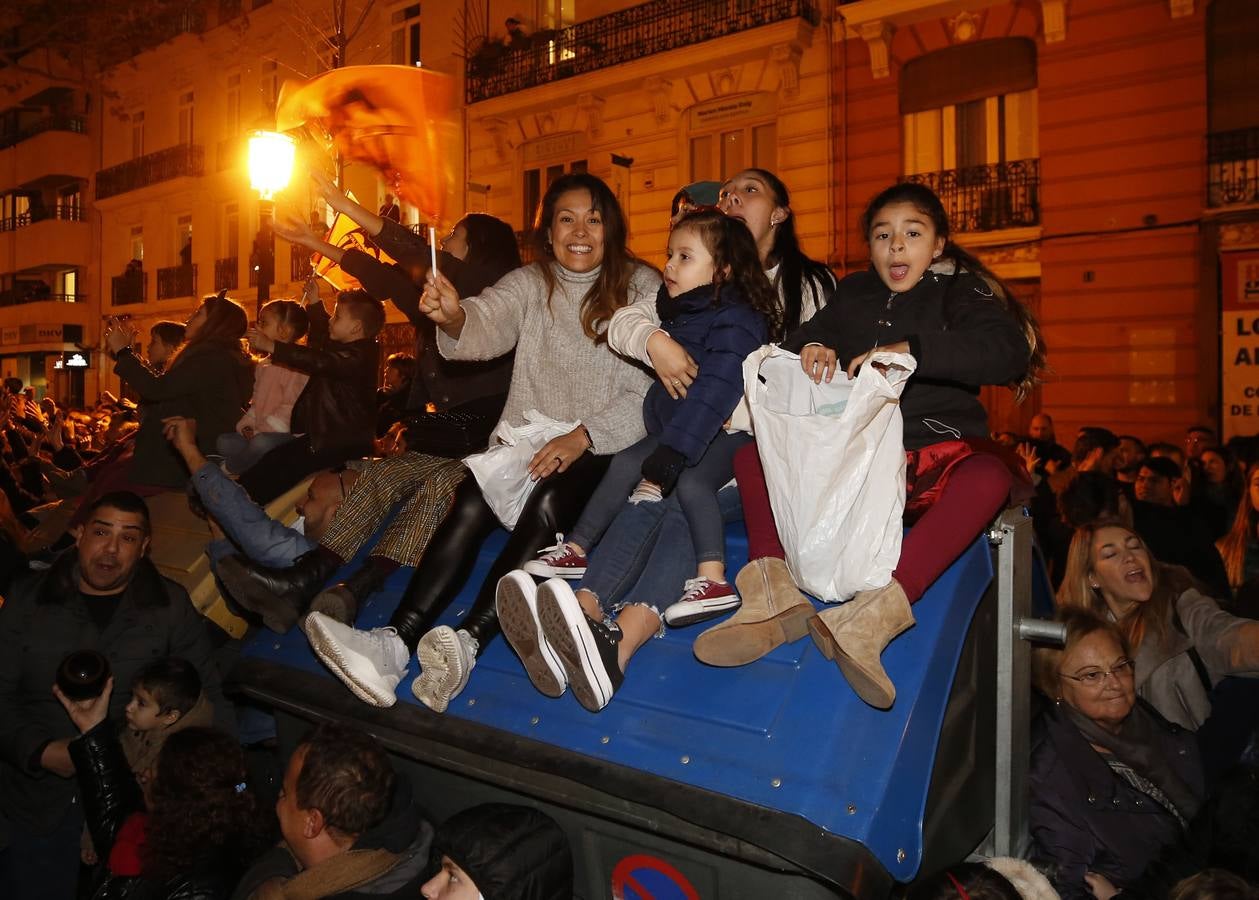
558, 371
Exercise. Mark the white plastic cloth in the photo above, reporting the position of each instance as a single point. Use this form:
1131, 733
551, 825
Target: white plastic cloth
503, 470
834, 460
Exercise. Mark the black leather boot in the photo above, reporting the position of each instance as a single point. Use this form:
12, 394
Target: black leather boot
280, 596
343, 599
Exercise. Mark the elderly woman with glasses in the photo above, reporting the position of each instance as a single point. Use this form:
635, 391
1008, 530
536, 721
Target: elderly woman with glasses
1113, 785
1183, 644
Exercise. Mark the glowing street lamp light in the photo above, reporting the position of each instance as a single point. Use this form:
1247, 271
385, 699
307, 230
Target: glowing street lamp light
271, 157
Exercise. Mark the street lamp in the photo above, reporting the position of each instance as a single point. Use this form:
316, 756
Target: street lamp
270, 167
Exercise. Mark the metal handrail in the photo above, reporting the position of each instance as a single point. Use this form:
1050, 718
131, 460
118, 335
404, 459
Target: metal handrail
152, 168
496, 67
987, 198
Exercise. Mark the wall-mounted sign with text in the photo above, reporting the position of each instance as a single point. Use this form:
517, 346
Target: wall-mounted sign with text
1239, 343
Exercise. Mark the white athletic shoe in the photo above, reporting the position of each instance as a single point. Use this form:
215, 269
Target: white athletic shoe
447, 658
371, 663
517, 603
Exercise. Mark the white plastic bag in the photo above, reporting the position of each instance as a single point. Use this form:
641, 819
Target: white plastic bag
503, 470
834, 460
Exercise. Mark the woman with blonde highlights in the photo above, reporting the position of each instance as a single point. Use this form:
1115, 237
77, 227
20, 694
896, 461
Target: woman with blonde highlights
1183, 644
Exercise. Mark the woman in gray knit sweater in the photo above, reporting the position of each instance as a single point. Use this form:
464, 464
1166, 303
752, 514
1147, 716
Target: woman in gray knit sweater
555, 314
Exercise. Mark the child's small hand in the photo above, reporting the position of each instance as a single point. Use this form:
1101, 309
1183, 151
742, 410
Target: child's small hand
898, 347
818, 362
259, 341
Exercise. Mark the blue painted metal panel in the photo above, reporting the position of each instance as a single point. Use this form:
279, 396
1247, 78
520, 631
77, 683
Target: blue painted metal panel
786, 733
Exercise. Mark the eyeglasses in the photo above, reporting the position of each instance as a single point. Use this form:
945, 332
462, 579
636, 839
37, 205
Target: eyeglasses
1095, 679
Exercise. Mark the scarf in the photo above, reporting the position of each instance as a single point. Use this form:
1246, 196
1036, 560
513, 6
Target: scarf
341, 873
1138, 746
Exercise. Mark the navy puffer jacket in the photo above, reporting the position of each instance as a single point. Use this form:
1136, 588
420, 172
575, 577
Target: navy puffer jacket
719, 336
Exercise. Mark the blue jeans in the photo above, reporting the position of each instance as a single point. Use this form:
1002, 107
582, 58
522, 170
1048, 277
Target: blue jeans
240, 452
646, 555
696, 492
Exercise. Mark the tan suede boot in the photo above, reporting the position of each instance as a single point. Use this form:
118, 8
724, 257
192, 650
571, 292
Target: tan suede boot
855, 633
774, 612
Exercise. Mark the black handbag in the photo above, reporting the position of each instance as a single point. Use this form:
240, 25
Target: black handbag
453, 433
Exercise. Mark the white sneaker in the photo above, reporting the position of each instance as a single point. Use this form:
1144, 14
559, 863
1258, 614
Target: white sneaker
517, 603
447, 658
370, 663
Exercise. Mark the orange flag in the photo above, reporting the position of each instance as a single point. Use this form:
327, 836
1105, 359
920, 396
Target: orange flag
347, 235
393, 118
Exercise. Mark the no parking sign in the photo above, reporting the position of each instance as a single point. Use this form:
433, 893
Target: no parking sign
645, 877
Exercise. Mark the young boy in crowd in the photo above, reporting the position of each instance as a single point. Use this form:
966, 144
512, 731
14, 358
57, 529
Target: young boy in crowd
166, 697
335, 416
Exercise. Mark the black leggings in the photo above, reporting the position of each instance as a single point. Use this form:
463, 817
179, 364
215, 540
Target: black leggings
447, 563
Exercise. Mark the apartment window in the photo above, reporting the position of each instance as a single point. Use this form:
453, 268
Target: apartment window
68, 283
729, 150
558, 13
183, 240
70, 203
538, 180
970, 105
185, 118
137, 242
270, 85
137, 134
405, 24
232, 107
231, 230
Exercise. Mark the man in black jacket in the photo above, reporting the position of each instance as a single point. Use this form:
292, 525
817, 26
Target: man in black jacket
335, 416
341, 794
104, 595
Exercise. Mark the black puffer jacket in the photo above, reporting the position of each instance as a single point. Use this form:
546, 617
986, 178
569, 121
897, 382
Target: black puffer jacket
510, 852
110, 795
959, 334
337, 408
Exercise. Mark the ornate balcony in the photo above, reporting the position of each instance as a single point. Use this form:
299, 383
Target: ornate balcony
152, 168
176, 281
75, 124
38, 294
1233, 167
64, 213
227, 273
988, 198
299, 265
620, 37
129, 289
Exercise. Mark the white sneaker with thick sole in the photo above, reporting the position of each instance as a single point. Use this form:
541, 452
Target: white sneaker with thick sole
370, 663
447, 658
517, 603
587, 649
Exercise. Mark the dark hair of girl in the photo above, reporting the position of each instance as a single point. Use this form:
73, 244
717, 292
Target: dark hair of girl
926, 202
492, 252
225, 324
610, 290
794, 268
291, 314
201, 811
732, 247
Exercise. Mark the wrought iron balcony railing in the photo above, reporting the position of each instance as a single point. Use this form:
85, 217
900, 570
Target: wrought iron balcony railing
299, 265
66, 213
130, 289
988, 198
227, 273
18, 297
498, 68
152, 168
75, 124
177, 281
1233, 167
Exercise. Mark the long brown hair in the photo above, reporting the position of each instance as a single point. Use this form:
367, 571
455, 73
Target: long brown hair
1146, 619
610, 290
926, 202
1245, 529
732, 246
225, 324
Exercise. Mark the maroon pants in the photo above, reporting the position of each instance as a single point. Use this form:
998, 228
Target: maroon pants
976, 488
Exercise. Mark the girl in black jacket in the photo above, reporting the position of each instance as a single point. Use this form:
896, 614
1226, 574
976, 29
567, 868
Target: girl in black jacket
925, 296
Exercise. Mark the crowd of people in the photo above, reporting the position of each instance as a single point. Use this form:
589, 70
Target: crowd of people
133, 766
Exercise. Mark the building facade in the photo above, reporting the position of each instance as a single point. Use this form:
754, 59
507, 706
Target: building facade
1102, 156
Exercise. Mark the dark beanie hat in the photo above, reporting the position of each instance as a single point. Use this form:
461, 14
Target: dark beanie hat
510, 852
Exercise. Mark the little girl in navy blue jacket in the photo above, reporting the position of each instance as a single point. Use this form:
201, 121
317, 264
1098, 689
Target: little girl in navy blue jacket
717, 303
